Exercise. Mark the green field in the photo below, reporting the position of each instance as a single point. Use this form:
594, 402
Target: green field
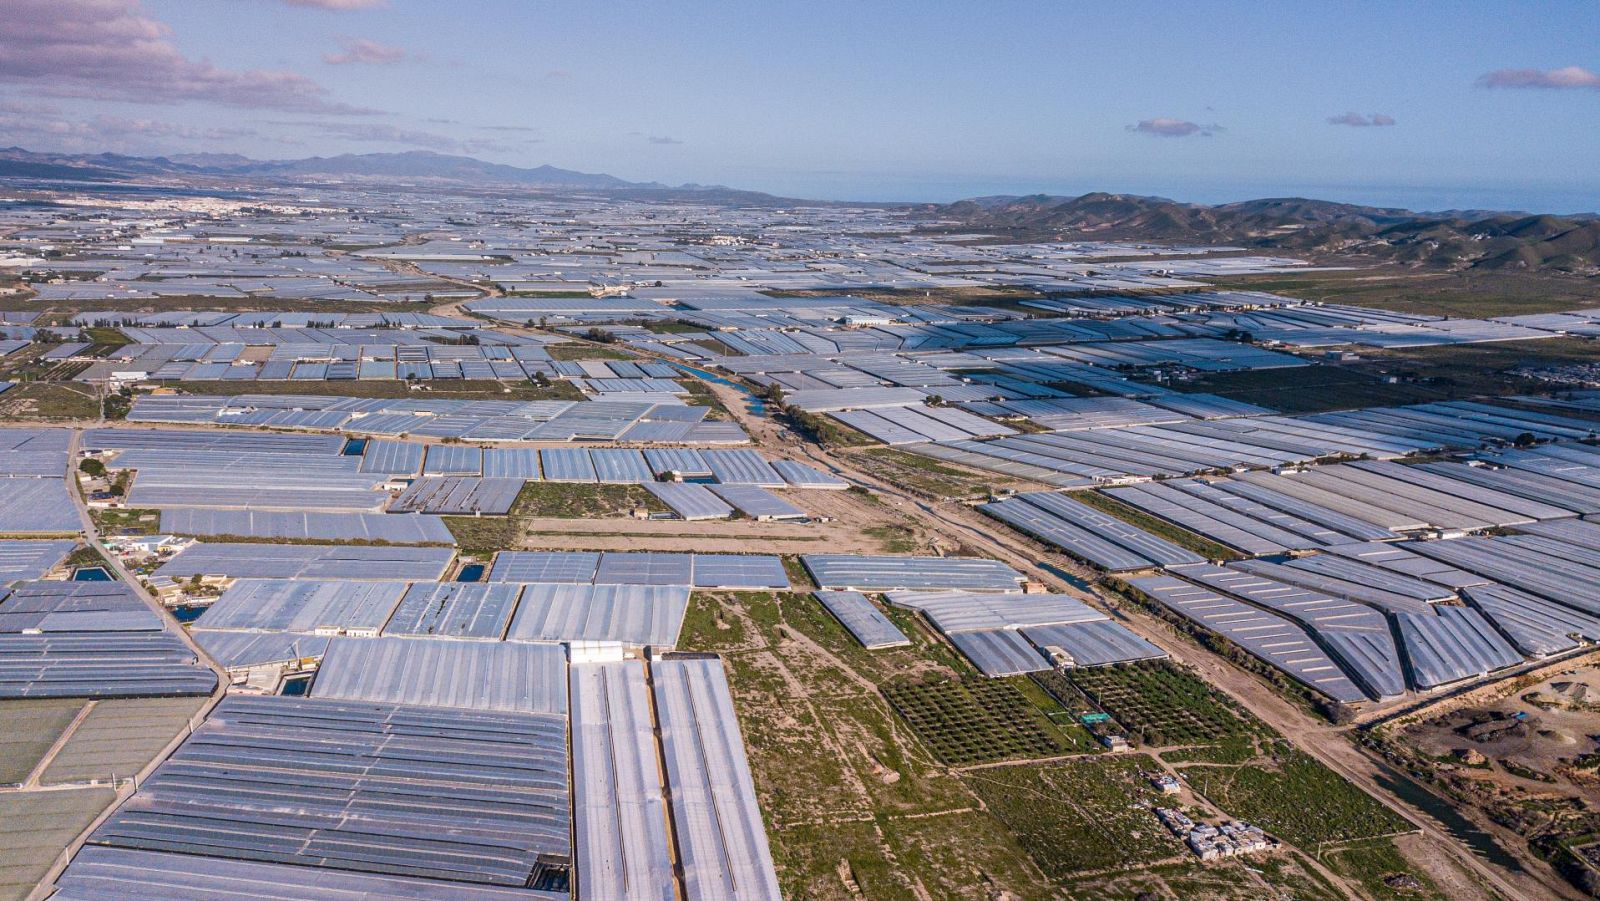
1423, 374
976, 721
27, 730
35, 827
118, 737
1312, 389
126, 520
1161, 703
1081, 816
586, 351
852, 753
1431, 292
1382, 871
105, 336
1292, 796
583, 501
49, 400
486, 534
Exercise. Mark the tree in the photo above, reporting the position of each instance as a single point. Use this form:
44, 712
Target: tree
1340, 714
92, 467
1526, 439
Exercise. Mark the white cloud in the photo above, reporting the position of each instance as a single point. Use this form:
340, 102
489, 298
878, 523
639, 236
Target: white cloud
1173, 128
1356, 120
1553, 79
367, 52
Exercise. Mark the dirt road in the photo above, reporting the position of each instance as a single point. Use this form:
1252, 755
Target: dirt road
959, 524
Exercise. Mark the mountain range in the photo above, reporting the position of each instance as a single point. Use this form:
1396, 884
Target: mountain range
1456, 239
416, 164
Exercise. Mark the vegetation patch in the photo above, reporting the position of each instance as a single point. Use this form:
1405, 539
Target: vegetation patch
968, 721
1294, 797
125, 520
1430, 292
28, 729
583, 501
106, 336
1182, 537
1381, 870
555, 500
1400, 376
701, 395
49, 400
823, 430
895, 538
1079, 817
87, 555
1161, 703
922, 474
706, 628
575, 352
1065, 719
799, 577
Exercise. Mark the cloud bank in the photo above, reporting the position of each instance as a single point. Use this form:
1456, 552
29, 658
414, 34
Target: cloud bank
1568, 78
381, 133
34, 124
109, 49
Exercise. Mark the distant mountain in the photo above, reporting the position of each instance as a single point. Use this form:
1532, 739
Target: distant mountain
424, 164
10, 168
418, 164
1456, 239
212, 160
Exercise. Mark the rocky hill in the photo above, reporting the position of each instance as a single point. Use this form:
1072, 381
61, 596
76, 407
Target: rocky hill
1455, 239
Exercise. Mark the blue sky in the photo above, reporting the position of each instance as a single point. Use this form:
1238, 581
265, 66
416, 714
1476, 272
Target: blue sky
877, 100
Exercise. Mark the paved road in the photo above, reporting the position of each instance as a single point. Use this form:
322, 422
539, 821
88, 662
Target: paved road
92, 538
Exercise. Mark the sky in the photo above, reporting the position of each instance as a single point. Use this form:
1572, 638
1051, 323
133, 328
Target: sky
1426, 105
